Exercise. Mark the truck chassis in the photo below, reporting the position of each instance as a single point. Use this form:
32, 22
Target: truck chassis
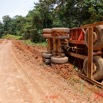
82, 45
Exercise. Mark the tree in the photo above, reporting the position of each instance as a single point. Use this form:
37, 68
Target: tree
53, 13
1, 29
44, 9
19, 24
91, 10
7, 24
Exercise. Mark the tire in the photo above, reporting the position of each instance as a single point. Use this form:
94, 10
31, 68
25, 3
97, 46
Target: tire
59, 60
47, 35
95, 38
97, 67
97, 34
47, 61
60, 33
67, 30
47, 31
46, 55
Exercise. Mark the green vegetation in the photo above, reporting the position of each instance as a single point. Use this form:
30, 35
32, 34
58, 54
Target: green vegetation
29, 42
9, 36
52, 13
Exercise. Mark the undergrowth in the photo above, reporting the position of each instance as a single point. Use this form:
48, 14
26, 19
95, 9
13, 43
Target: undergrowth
28, 42
10, 36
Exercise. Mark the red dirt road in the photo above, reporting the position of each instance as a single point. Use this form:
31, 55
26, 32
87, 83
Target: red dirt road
25, 79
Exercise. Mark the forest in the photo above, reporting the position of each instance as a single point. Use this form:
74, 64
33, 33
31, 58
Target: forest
52, 13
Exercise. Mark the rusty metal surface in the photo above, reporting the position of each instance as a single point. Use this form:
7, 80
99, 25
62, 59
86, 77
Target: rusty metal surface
93, 25
77, 42
60, 32
90, 47
90, 80
77, 55
90, 53
78, 39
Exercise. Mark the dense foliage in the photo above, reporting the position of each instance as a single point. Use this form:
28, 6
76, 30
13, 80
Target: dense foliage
52, 13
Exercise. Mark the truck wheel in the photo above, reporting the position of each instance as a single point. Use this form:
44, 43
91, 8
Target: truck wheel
95, 37
47, 35
97, 67
97, 34
60, 33
65, 30
59, 60
46, 55
47, 30
47, 61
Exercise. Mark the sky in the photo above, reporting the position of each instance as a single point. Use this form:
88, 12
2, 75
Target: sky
16, 7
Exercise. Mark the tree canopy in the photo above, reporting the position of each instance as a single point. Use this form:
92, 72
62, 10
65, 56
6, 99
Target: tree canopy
52, 13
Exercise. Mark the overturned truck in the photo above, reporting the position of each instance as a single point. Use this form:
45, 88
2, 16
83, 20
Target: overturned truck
82, 46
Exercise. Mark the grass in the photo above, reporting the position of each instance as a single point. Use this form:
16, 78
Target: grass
9, 36
28, 42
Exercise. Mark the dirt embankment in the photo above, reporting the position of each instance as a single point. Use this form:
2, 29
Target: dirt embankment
24, 78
